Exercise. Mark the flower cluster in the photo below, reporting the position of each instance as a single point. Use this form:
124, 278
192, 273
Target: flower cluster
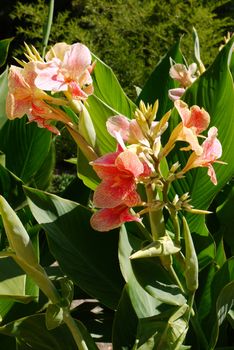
137, 161
66, 70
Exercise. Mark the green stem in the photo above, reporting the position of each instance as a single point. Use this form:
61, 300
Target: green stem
71, 324
176, 278
176, 225
156, 217
86, 149
47, 27
199, 332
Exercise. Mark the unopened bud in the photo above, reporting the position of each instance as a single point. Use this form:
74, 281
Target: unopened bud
185, 197
174, 167
162, 247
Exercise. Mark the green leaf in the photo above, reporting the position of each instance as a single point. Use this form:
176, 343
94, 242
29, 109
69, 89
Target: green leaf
222, 277
224, 304
125, 323
160, 82
100, 112
3, 95
85, 172
44, 174
109, 99
11, 187
147, 292
214, 92
165, 331
108, 89
26, 147
13, 282
4, 46
31, 333
87, 257
225, 216
53, 316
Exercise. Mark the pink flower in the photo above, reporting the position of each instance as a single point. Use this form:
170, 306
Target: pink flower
124, 129
109, 218
68, 70
25, 98
194, 121
175, 94
183, 74
195, 118
211, 151
119, 172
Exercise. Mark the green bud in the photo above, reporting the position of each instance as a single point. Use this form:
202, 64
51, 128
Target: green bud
86, 127
175, 332
54, 316
18, 237
191, 261
162, 247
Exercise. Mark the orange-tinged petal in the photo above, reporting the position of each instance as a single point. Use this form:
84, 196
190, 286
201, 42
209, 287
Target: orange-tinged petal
105, 165
108, 219
128, 161
194, 118
116, 191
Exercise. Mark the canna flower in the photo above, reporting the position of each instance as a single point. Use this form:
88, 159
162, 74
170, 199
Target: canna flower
119, 172
194, 121
125, 130
211, 151
109, 218
67, 69
185, 76
175, 94
25, 98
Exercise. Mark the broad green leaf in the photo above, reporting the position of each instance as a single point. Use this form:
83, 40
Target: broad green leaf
13, 282
99, 113
224, 304
108, 89
214, 92
204, 300
26, 147
11, 187
87, 257
222, 277
31, 333
160, 82
164, 331
226, 217
3, 95
125, 323
108, 99
53, 316
85, 172
149, 284
4, 46
44, 174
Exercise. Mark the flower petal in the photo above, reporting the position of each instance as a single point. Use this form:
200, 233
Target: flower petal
128, 161
109, 218
77, 59
116, 191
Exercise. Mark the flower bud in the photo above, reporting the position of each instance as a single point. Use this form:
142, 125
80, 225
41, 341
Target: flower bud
162, 247
18, 237
191, 261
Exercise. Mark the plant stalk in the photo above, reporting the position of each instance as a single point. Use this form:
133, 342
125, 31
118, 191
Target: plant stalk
71, 324
156, 217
